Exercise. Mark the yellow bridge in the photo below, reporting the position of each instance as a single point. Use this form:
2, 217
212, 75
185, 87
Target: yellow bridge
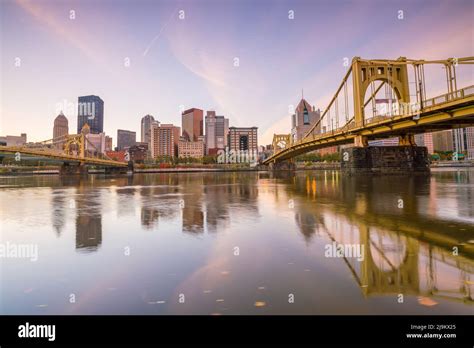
68, 149
402, 118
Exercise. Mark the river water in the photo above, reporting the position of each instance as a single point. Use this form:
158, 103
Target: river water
311, 242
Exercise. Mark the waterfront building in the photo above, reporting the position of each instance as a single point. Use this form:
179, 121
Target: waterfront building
463, 141
125, 138
443, 141
138, 153
425, 139
192, 124
194, 149
14, 140
217, 130
164, 140
243, 139
90, 111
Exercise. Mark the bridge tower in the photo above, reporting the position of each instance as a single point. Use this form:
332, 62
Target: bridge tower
365, 73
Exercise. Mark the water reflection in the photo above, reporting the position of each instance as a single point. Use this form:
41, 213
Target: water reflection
407, 251
416, 232
88, 219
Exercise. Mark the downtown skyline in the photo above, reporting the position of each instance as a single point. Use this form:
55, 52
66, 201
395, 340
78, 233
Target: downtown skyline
176, 64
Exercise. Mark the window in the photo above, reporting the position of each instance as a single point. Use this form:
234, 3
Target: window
305, 117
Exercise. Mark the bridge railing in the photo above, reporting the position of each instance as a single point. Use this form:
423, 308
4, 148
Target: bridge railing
459, 94
441, 99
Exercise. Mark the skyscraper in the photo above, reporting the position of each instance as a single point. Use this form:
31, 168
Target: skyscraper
60, 128
192, 124
90, 111
217, 129
147, 120
164, 140
303, 119
125, 138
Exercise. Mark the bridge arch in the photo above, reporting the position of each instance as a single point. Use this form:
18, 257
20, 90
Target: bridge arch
364, 75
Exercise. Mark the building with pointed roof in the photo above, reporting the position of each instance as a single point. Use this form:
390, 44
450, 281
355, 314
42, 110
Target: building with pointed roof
60, 129
302, 120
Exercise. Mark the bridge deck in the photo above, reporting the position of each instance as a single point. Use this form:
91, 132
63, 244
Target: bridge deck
448, 111
51, 154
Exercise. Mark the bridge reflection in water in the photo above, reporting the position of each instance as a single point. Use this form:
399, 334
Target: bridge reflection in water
182, 230
407, 249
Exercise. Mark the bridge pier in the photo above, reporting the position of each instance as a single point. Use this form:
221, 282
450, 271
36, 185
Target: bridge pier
73, 169
385, 160
287, 165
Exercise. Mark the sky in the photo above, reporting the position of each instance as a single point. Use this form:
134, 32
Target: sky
248, 60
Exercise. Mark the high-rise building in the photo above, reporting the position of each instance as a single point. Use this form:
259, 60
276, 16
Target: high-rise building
443, 140
125, 138
90, 111
164, 140
425, 139
217, 130
60, 128
96, 143
146, 128
463, 141
108, 143
192, 124
303, 119
243, 139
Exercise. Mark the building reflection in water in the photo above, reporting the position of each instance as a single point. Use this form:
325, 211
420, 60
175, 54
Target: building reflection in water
88, 218
59, 208
204, 200
405, 250
159, 196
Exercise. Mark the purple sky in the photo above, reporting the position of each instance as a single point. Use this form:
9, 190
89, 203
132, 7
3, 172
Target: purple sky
182, 63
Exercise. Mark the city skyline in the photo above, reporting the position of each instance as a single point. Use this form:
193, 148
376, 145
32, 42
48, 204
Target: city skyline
251, 69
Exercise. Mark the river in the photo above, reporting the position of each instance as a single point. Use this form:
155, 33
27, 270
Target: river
238, 243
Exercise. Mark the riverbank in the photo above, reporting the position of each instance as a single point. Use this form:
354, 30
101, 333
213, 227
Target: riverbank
17, 171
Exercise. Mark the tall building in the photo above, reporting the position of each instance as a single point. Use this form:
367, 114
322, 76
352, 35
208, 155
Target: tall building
146, 128
60, 128
164, 140
90, 111
243, 139
96, 143
217, 130
108, 143
125, 138
463, 141
192, 123
443, 140
425, 139
301, 121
